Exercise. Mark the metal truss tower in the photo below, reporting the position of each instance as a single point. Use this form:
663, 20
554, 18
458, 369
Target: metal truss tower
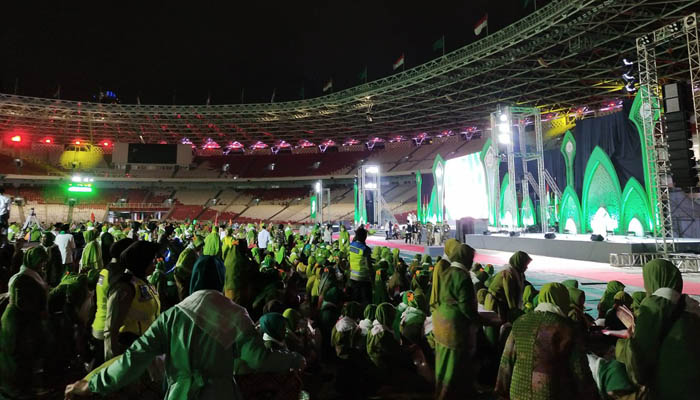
657, 154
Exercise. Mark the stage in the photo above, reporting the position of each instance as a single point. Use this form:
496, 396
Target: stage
575, 247
405, 248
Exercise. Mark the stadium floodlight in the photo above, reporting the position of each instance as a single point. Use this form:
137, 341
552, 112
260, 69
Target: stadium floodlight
318, 187
504, 138
370, 185
504, 128
372, 169
503, 118
627, 77
81, 189
76, 178
627, 63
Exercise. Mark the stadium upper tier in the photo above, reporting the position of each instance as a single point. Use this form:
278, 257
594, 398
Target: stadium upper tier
565, 55
392, 158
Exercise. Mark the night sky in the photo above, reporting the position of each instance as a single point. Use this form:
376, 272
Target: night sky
162, 48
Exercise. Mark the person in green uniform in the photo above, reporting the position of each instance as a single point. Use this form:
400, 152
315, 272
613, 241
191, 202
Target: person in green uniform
455, 323
608, 299
577, 303
505, 293
383, 345
133, 304
91, 259
22, 332
185, 263
108, 275
544, 357
212, 243
663, 350
239, 272
343, 238
205, 337
54, 266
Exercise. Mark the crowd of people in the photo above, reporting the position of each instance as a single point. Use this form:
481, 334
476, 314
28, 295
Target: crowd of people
224, 311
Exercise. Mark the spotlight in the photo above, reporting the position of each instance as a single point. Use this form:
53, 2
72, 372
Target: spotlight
627, 77
226, 167
630, 87
369, 118
627, 63
504, 128
503, 118
504, 138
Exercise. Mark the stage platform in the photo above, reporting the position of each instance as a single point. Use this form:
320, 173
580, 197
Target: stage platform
575, 247
433, 251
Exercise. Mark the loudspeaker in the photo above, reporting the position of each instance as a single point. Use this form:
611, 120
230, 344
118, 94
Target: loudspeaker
550, 235
597, 238
677, 129
512, 234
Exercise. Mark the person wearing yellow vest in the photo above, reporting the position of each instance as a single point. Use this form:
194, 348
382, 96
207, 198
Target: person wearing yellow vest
108, 275
133, 303
361, 273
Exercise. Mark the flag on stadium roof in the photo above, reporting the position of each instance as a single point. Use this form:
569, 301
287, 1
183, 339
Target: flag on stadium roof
481, 24
328, 86
399, 62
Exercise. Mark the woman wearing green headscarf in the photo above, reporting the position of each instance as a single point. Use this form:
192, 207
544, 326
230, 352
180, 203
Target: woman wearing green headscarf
382, 344
238, 274
212, 243
577, 300
185, 264
505, 295
379, 291
22, 333
637, 298
54, 266
398, 281
544, 356
455, 324
663, 350
608, 298
346, 336
91, 260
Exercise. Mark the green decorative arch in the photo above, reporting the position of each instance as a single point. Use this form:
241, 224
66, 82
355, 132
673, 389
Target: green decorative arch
490, 161
601, 188
570, 207
635, 205
568, 150
636, 116
528, 215
507, 202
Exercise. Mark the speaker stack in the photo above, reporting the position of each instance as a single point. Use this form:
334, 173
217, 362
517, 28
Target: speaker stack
679, 135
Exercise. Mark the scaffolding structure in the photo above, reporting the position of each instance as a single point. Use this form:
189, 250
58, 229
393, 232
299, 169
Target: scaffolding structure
658, 166
502, 123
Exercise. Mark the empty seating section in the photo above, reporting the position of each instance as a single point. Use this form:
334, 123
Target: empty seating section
182, 212
285, 194
198, 197
159, 196
261, 166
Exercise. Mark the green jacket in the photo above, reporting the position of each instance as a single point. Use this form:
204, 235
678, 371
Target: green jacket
223, 344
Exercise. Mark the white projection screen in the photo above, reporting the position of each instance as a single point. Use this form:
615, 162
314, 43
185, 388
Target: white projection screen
465, 188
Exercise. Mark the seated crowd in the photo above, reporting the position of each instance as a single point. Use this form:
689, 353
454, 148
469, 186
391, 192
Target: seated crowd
208, 311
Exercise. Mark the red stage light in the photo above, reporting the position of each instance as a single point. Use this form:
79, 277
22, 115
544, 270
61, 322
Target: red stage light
16, 138
105, 144
77, 142
48, 141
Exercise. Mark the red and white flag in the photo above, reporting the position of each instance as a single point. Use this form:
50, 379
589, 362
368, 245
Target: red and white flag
481, 25
328, 86
399, 62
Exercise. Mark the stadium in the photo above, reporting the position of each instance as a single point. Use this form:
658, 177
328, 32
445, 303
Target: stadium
565, 140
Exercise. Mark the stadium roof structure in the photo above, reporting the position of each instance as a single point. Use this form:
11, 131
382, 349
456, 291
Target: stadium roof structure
565, 55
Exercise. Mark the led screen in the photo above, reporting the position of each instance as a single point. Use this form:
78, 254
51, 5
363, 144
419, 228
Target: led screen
465, 188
